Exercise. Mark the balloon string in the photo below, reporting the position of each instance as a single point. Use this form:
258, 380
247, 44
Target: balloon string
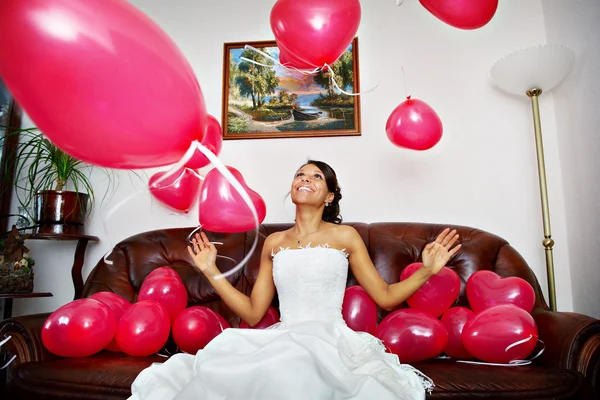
242, 192
13, 357
399, 2
304, 72
513, 363
404, 81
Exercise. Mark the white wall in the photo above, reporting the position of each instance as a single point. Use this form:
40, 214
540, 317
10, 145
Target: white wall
577, 101
483, 172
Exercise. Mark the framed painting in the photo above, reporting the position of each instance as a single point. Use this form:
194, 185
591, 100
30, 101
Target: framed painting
272, 101
10, 118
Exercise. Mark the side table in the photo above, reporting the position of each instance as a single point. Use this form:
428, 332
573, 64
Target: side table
78, 259
8, 300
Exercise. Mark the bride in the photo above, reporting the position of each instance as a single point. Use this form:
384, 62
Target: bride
311, 353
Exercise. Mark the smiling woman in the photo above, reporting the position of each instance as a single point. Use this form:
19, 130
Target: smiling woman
10, 118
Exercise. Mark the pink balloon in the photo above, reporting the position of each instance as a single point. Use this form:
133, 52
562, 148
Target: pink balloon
79, 329
500, 334
212, 140
359, 310
292, 61
437, 294
413, 335
178, 191
170, 292
463, 14
318, 32
128, 97
454, 320
224, 323
222, 209
271, 317
486, 289
195, 327
143, 329
414, 125
118, 305
162, 271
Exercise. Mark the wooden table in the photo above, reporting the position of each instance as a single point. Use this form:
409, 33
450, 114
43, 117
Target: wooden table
8, 300
78, 259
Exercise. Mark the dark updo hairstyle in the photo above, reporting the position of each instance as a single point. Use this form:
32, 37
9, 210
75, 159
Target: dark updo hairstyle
331, 213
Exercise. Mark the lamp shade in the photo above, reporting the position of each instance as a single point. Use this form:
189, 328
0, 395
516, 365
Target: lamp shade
541, 67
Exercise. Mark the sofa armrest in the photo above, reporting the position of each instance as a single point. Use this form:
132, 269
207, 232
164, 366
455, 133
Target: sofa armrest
572, 341
26, 338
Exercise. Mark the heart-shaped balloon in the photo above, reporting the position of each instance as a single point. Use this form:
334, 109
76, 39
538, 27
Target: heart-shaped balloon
212, 140
413, 335
486, 289
292, 61
318, 32
178, 191
414, 125
118, 306
195, 327
500, 334
168, 291
222, 209
462, 14
359, 310
454, 320
271, 317
437, 294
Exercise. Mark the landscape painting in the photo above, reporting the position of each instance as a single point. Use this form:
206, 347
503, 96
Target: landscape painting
273, 101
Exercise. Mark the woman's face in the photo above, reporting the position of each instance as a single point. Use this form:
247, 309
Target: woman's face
309, 186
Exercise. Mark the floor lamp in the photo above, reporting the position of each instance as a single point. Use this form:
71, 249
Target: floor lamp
530, 72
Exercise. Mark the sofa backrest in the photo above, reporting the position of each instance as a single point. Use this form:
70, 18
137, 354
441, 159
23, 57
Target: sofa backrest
392, 246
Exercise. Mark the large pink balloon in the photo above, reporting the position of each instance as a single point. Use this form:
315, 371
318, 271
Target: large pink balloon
179, 191
118, 305
437, 294
143, 329
500, 334
212, 140
101, 80
317, 32
463, 14
162, 271
413, 335
359, 310
454, 320
486, 289
291, 61
169, 291
222, 209
79, 329
414, 125
271, 317
195, 327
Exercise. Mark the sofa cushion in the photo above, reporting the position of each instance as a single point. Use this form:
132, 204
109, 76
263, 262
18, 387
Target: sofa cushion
102, 376
467, 381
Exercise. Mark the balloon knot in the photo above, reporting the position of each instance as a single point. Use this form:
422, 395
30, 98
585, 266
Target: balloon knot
408, 97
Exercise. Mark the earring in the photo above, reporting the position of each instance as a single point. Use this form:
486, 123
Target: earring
326, 204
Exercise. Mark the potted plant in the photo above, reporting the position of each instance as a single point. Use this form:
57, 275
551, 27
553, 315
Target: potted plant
43, 173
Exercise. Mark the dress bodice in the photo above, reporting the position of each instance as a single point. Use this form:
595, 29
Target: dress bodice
311, 283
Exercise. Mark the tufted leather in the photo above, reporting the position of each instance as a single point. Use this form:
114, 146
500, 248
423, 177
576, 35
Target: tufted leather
572, 340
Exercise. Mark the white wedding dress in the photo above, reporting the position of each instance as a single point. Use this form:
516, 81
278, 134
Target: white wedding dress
310, 355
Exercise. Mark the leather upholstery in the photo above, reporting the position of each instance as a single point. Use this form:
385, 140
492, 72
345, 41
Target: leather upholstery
569, 367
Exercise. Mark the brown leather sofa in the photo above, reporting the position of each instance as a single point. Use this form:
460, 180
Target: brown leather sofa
569, 368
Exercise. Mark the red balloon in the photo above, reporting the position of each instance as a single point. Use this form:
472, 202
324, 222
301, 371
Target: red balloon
437, 294
463, 14
454, 320
414, 125
328, 26
212, 140
118, 305
143, 329
79, 329
224, 323
292, 61
178, 191
128, 96
170, 292
222, 209
500, 334
486, 289
359, 310
195, 327
271, 317
162, 271
413, 335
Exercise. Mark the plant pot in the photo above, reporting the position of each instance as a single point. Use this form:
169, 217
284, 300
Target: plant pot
61, 212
